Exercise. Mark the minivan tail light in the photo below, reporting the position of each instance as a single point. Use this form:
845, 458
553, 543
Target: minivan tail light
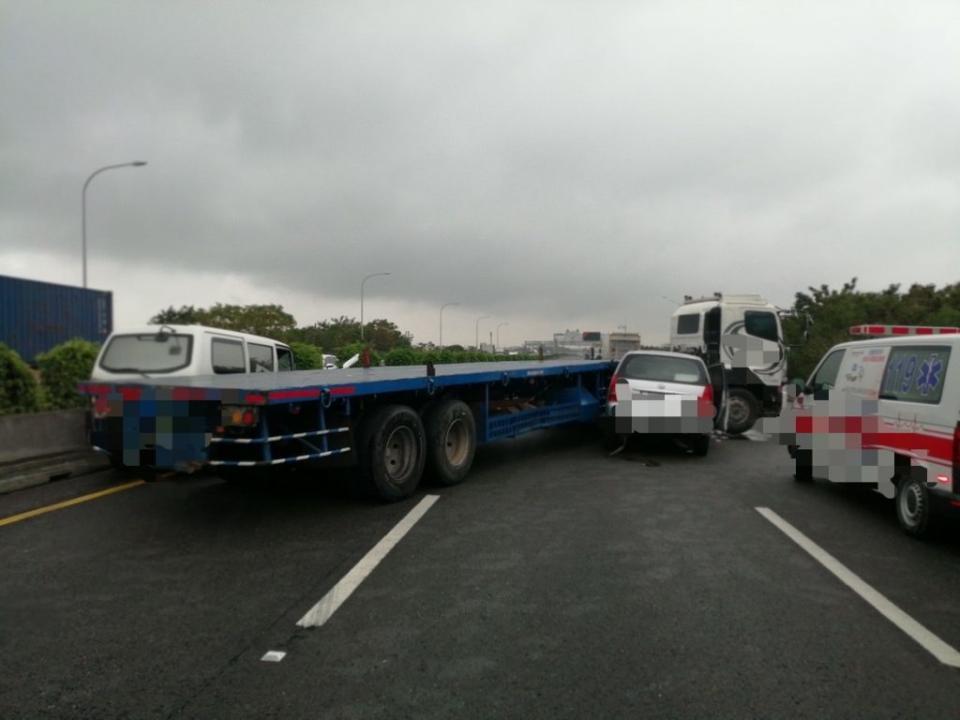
705, 402
612, 389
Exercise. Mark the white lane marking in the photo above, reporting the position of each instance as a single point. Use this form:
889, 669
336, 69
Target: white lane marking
337, 595
927, 640
273, 656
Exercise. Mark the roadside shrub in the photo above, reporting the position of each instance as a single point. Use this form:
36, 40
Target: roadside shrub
62, 367
402, 356
19, 390
307, 356
346, 352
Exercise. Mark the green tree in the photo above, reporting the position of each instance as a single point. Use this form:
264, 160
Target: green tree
19, 390
185, 315
267, 320
62, 367
307, 356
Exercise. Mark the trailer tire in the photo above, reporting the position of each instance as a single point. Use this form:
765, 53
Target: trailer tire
392, 452
742, 410
913, 504
451, 441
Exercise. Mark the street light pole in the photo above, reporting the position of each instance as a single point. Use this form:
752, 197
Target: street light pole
83, 205
477, 338
498, 335
362, 283
445, 305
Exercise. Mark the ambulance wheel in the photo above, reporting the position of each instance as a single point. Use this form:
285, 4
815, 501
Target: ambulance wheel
742, 410
803, 466
913, 505
392, 452
451, 441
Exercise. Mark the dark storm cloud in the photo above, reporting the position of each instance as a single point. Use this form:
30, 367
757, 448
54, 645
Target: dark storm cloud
565, 158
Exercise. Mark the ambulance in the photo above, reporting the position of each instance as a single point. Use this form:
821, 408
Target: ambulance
884, 409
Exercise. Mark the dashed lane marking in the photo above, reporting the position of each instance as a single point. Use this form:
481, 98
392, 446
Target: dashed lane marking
926, 639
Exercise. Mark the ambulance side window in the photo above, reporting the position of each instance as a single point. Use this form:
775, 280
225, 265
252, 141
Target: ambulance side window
915, 374
826, 376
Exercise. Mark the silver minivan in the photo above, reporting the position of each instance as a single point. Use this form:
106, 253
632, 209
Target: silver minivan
187, 351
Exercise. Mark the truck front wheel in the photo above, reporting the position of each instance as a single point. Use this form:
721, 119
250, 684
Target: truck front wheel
742, 410
392, 452
451, 441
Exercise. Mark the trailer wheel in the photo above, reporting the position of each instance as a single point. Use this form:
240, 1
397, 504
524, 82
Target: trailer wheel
742, 410
913, 505
392, 452
451, 441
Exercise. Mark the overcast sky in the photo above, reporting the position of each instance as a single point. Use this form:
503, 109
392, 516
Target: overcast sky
553, 165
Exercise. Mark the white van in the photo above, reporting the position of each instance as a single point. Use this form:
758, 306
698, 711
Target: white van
885, 411
186, 351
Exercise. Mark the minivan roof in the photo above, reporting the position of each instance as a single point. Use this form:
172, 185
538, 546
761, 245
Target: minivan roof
196, 330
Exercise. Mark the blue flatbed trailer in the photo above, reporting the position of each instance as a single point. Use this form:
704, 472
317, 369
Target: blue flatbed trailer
396, 423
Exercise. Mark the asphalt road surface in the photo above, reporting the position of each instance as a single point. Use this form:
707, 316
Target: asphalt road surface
557, 582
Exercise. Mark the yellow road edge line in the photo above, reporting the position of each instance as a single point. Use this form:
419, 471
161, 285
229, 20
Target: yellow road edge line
67, 503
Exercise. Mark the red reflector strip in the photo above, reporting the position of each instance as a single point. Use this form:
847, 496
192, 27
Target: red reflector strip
294, 394
189, 394
900, 330
130, 393
255, 399
344, 390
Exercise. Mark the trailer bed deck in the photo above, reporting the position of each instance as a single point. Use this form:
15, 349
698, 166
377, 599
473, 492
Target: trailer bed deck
270, 388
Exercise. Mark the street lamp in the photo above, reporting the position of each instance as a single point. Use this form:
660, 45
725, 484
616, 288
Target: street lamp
362, 283
498, 335
445, 305
477, 339
135, 163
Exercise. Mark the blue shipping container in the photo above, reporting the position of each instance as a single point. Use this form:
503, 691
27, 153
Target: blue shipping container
35, 316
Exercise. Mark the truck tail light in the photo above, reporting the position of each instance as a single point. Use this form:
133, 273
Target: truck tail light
612, 389
239, 416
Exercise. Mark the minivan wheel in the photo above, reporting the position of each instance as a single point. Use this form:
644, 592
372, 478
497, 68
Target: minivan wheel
913, 506
742, 410
700, 444
803, 465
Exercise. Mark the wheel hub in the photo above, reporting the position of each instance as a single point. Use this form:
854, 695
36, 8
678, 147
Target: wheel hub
400, 453
456, 443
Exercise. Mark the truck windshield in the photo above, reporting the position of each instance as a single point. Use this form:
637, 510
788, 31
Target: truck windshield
147, 353
663, 368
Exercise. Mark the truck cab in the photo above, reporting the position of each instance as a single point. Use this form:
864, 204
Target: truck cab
741, 340
186, 351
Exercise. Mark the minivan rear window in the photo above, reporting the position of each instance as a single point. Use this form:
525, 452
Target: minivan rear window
147, 353
915, 374
663, 368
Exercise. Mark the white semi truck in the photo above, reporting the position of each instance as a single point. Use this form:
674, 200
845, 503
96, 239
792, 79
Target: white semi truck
741, 339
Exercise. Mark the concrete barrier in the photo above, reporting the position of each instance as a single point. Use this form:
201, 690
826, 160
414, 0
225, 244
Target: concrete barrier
34, 435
